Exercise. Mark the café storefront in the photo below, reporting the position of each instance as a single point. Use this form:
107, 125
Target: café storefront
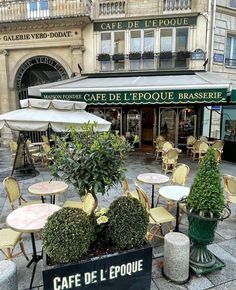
145, 105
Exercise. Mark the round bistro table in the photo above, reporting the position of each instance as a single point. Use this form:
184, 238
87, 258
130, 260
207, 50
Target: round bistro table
48, 188
153, 179
30, 219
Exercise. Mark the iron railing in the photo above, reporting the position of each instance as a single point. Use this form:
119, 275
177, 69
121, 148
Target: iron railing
230, 62
177, 5
23, 10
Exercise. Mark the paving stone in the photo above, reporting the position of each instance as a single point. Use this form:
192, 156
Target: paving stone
229, 246
198, 283
228, 273
163, 284
227, 286
154, 286
157, 265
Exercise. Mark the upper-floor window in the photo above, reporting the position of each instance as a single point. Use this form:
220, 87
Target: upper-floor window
181, 39
135, 41
232, 3
230, 54
38, 8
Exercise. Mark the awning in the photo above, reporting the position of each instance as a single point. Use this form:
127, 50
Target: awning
233, 94
38, 115
201, 87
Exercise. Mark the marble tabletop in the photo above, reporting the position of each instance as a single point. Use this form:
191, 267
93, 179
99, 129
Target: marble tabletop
152, 178
48, 188
30, 218
174, 192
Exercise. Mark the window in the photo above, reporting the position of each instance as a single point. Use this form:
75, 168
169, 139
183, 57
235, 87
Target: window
119, 42
135, 41
230, 54
181, 39
148, 40
38, 8
232, 3
166, 40
106, 42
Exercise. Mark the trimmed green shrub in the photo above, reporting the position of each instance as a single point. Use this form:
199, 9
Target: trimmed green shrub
206, 196
67, 235
128, 221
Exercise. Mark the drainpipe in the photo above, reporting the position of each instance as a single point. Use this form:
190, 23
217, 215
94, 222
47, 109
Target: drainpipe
212, 32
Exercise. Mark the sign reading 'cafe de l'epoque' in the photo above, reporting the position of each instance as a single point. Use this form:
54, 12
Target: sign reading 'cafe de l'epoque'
143, 97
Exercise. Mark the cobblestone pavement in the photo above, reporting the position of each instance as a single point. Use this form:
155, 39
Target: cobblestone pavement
224, 245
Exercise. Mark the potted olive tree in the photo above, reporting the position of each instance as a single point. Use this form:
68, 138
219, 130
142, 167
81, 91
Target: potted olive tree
106, 250
205, 207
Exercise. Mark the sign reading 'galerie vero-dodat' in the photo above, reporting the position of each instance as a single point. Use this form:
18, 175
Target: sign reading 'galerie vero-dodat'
143, 97
145, 23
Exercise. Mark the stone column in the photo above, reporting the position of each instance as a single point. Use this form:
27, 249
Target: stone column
176, 257
4, 93
77, 58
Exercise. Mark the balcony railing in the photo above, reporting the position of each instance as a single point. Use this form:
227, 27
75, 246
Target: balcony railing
43, 9
230, 62
177, 5
107, 8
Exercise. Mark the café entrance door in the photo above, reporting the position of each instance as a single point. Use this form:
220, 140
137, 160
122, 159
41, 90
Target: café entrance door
147, 115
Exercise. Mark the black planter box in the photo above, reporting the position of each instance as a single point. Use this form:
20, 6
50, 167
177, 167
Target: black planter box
128, 270
148, 55
166, 55
134, 56
118, 56
182, 55
104, 57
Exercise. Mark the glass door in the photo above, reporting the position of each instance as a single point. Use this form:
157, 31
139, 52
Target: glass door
187, 125
167, 124
147, 127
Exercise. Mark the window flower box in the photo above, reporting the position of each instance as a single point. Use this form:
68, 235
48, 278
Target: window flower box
148, 55
104, 57
165, 55
134, 55
181, 55
118, 56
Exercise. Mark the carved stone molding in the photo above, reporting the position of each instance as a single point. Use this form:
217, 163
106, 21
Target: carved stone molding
76, 48
4, 52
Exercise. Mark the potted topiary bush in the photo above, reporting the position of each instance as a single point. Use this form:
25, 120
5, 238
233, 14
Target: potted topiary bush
94, 162
118, 56
134, 55
205, 207
117, 258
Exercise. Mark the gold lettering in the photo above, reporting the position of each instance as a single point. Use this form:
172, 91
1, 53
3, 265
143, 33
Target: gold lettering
118, 96
185, 20
130, 24
154, 23
147, 23
112, 97
125, 97
136, 24
119, 25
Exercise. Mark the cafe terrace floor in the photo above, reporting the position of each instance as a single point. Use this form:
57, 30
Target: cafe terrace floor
139, 162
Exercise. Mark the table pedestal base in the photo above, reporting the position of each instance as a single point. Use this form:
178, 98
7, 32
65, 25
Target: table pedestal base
34, 260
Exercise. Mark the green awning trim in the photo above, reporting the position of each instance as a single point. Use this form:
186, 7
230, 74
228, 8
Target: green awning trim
233, 96
143, 97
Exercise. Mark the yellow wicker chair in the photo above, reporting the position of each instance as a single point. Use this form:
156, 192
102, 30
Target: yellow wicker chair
190, 141
203, 138
230, 188
45, 139
157, 216
14, 196
169, 160
202, 150
87, 205
195, 149
8, 241
218, 144
159, 145
127, 191
180, 174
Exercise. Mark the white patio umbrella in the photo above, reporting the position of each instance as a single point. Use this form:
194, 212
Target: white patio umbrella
40, 114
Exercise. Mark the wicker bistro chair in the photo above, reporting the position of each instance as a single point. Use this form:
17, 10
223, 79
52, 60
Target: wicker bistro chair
203, 138
195, 149
14, 196
169, 160
45, 139
8, 241
202, 150
127, 191
87, 205
230, 188
157, 216
190, 141
218, 145
159, 146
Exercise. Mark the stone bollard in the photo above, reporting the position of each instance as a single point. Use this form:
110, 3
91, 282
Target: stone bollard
176, 257
8, 277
